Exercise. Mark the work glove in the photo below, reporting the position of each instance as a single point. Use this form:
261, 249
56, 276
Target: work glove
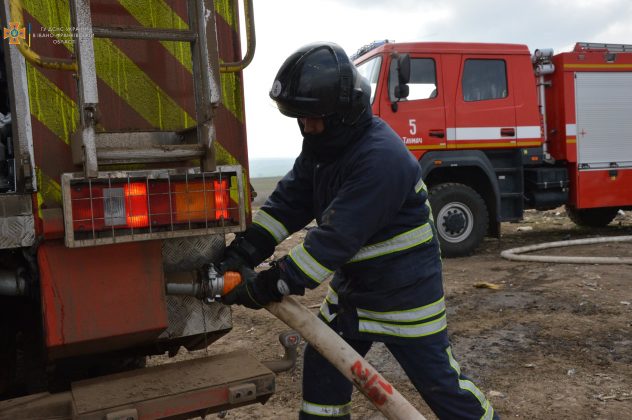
256, 290
235, 257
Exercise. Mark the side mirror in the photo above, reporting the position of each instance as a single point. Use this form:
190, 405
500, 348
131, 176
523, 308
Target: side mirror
403, 69
401, 89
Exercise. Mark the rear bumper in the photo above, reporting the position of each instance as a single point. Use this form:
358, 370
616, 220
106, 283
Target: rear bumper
174, 390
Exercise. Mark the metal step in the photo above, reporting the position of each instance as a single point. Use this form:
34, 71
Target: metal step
184, 389
142, 147
126, 32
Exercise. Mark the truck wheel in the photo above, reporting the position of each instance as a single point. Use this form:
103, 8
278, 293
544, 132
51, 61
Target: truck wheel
599, 217
460, 216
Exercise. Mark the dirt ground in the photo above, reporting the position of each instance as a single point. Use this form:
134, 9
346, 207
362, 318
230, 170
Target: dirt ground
554, 341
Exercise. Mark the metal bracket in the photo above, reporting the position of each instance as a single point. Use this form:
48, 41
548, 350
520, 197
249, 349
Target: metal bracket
242, 393
88, 96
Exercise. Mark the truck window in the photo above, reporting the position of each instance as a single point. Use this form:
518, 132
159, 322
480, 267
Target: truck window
370, 70
484, 80
423, 79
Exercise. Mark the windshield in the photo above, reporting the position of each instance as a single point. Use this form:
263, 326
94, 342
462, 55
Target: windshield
371, 70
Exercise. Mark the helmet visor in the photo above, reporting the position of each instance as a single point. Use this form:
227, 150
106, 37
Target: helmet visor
301, 107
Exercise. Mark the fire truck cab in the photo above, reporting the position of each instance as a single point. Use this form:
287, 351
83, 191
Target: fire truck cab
494, 128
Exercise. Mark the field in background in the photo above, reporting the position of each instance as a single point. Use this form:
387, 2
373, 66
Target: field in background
263, 187
269, 167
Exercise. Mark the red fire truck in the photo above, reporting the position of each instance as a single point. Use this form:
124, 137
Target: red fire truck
498, 129
123, 165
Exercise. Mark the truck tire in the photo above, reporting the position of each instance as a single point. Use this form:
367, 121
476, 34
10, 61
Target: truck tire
598, 217
460, 216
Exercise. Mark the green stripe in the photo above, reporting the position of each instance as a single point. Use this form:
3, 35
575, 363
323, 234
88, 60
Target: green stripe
274, 227
408, 315
50, 105
118, 71
488, 411
49, 190
420, 186
322, 410
403, 331
129, 82
308, 264
401, 242
158, 14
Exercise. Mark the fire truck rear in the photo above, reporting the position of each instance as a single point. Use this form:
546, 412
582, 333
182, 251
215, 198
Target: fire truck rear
498, 129
123, 165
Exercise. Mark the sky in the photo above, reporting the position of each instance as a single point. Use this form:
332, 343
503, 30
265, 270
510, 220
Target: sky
282, 26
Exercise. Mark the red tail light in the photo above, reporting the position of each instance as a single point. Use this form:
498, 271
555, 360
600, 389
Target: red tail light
136, 213
152, 204
221, 199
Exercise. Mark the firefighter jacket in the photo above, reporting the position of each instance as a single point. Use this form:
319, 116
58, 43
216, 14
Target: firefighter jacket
365, 191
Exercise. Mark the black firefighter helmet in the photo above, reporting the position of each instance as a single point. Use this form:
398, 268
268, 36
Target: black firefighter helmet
319, 80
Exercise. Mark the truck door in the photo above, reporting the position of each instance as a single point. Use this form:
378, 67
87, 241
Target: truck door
485, 115
419, 119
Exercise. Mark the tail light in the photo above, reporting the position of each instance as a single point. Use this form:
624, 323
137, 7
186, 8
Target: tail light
136, 213
147, 205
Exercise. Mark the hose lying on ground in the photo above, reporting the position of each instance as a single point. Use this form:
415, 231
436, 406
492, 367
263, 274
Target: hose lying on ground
512, 254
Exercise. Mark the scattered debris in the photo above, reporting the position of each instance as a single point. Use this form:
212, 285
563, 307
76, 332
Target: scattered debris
496, 394
524, 228
624, 396
570, 372
602, 397
530, 365
625, 302
486, 285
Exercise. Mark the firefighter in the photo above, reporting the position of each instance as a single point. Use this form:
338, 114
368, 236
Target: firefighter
374, 234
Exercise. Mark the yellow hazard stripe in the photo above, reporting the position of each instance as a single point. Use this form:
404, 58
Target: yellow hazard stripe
137, 89
570, 66
51, 106
427, 147
486, 145
119, 72
222, 157
226, 9
231, 95
57, 111
49, 190
158, 14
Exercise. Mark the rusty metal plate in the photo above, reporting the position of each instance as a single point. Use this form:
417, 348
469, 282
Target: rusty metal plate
175, 388
98, 299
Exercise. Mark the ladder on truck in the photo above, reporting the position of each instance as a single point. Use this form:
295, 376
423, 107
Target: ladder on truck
92, 148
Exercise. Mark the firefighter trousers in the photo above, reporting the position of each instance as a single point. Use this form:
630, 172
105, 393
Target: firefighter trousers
427, 361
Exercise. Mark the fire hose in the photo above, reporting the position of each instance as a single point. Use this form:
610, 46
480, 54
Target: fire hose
340, 354
513, 254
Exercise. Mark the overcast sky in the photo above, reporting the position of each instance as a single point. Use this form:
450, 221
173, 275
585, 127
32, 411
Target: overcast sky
282, 26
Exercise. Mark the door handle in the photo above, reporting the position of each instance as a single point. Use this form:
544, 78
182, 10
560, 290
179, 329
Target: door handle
508, 132
436, 133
